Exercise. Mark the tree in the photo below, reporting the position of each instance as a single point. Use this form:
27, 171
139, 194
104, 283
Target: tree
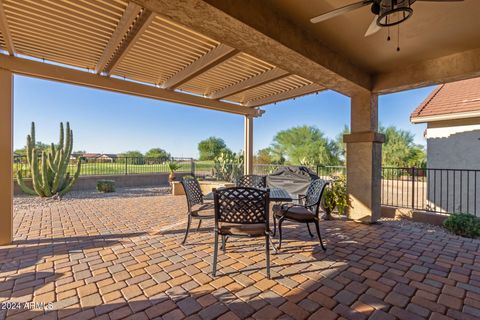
399, 149
158, 154
39, 146
211, 148
132, 157
267, 156
341, 146
305, 145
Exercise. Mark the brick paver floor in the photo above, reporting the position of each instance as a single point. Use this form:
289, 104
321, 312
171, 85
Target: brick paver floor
116, 258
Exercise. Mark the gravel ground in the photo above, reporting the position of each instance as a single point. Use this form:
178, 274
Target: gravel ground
23, 201
413, 225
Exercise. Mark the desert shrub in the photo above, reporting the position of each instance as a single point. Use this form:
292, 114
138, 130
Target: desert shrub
463, 224
105, 186
336, 196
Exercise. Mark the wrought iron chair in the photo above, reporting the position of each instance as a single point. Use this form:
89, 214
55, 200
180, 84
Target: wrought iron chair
305, 212
197, 208
252, 181
241, 212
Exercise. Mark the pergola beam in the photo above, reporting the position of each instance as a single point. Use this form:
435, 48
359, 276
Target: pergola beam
6, 31
72, 76
261, 79
289, 94
214, 57
458, 66
128, 17
141, 24
252, 27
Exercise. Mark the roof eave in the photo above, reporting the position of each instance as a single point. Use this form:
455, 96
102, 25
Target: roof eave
448, 116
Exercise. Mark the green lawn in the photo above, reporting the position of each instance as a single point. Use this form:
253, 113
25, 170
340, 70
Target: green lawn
122, 168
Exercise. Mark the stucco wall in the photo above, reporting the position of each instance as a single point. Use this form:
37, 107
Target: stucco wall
454, 148
121, 181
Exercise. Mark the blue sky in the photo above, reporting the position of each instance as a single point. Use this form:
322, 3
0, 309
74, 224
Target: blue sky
112, 123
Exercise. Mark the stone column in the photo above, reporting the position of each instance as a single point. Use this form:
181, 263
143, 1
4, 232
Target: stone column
6, 157
364, 158
248, 136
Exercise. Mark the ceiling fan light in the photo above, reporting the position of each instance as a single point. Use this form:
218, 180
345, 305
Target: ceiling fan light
394, 12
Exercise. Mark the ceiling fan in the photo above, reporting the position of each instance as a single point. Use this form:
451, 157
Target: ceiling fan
387, 12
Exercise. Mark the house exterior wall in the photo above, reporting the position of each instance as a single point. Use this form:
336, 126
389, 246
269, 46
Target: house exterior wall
455, 147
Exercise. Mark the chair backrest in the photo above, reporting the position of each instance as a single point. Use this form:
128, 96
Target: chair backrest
314, 194
193, 192
252, 181
242, 205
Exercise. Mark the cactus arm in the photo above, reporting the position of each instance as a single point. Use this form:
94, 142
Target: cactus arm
28, 150
53, 150
23, 186
72, 180
59, 173
32, 134
68, 142
36, 179
45, 179
60, 143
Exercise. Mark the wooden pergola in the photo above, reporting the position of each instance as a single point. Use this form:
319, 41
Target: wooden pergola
224, 55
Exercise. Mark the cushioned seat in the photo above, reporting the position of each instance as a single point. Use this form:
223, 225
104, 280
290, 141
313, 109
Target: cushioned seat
200, 207
297, 213
255, 230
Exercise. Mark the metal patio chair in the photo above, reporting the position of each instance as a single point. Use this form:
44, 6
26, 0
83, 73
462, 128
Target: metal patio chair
197, 208
241, 212
252, 181
307, 211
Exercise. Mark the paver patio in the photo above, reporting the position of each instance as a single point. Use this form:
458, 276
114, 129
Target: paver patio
120, 257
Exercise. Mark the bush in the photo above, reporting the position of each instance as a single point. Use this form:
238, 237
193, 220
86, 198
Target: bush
336, 196
463, 224
106, 186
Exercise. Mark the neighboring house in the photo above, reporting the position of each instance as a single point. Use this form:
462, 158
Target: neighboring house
107, 157
90, 156
452, 115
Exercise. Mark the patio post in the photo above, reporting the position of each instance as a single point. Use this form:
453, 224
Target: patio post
248, 146
364, 158
6, 157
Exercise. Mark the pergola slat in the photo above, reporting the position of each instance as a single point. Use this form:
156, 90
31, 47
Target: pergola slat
131, 12
259, 80
7, 37
297, 92
211, 59
136, 31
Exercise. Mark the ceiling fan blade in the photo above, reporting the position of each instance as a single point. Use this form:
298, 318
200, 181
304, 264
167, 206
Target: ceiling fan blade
340, 11
373, 27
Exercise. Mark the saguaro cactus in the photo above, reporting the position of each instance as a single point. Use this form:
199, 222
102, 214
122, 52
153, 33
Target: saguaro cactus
49, 169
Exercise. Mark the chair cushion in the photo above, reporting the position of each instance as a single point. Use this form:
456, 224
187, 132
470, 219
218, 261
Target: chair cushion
202, 207
297, 213
254, 230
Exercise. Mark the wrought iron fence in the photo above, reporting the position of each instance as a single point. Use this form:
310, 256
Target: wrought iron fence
115, 165
437, 190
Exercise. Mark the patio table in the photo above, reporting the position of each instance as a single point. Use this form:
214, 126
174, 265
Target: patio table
276, 195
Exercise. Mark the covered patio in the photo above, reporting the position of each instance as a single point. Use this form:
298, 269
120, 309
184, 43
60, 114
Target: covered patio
121, 257
116, 257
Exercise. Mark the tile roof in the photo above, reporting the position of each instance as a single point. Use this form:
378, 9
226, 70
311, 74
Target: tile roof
450, 98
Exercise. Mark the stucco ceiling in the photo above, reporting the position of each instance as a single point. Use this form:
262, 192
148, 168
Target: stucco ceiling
435, 30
